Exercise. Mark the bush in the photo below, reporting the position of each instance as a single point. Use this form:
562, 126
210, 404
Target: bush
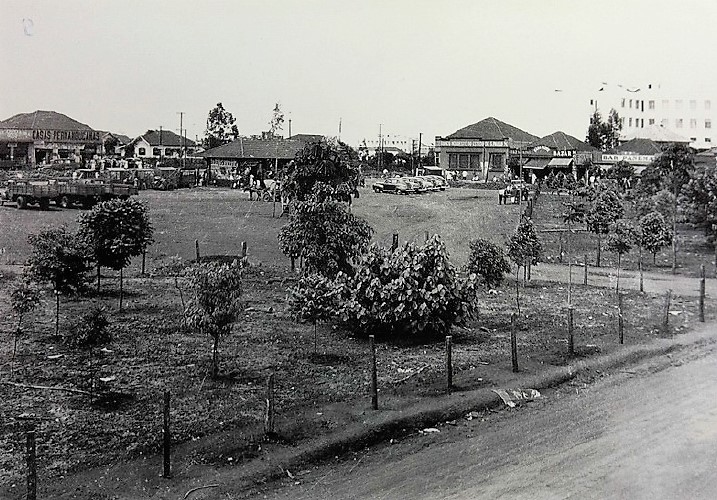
91, 330
488, 261
412, 290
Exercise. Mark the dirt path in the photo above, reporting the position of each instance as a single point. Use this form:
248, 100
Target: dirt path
630, 280
648, 432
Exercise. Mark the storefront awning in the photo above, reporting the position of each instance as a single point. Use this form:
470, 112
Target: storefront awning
536, 163
560, 162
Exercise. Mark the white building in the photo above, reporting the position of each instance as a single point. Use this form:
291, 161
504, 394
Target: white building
406, 144
692, 117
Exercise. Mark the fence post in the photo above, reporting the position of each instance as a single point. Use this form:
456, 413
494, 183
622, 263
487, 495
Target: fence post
31, 465
269, 416
167, 440
243, 250
571, 341
560, 248
513, 344
585, 277
449, 363
666, 313
144, 259
394, 242
196, 249
426, 235
620, 320
374, 376
702, 293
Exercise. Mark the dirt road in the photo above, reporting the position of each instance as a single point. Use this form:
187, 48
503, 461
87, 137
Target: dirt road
648, 432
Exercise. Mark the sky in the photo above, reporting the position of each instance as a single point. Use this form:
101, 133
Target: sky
405, 66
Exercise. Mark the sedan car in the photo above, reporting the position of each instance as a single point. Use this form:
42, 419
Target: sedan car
393, 185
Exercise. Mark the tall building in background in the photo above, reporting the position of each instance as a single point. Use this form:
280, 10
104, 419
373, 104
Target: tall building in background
644, 110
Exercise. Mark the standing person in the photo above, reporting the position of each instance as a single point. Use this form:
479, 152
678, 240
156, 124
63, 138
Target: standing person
465, 175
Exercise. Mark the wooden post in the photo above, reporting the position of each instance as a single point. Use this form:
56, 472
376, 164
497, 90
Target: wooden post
571, 341
293, 263
426, 235
394, 242
269, 415
449, 363
167, 439
374, 376
243, 250
31, 466
702, 293
585, 277
196, 249
144, 259
513, 344
560, 248
666, 313
620, 321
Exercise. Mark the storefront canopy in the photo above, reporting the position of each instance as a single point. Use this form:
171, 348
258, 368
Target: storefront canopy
536, 163
560, 163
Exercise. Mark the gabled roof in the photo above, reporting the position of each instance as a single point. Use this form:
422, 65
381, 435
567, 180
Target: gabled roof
123, 139
307, 137
655, 133
41, 120
165, 138
561, 141
639, 147
492, 129
243, 148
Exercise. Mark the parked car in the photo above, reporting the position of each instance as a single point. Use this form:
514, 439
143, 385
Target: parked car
439, 182
393, 185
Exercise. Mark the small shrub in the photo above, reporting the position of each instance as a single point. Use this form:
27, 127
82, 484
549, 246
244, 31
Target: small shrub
488, 261
91, 330
315, 298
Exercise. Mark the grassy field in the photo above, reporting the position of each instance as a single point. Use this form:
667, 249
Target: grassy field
317, 392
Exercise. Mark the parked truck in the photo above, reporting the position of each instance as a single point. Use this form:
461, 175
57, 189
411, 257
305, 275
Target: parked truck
66, 193
24, 193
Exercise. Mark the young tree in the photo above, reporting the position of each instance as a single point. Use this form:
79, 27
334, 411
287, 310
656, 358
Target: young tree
622, 172
116, 231
90, 333
604, 135
488, 261
221, 127
604, 210
276, 124
594, 136
620, 241
326, 236
215, 306
655, 233
524, 249
24, 298
574, 214
60, 258
315, 298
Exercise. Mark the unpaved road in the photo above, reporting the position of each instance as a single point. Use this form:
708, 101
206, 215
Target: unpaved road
648, 431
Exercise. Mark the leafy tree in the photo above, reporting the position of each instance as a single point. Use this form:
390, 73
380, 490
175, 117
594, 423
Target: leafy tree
699, 198
326, 236
594, 136
116, 230
622, 172
215, 306
602, 213
325, 164
655, 233
315, 298
488, 261
221, 127
620, 241
91, 332
409, 291
24, 298
604, 135
524, 249
276, 124
60, 258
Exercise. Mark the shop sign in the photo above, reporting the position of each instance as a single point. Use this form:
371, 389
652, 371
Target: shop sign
567, 153
81, 136
14, 134
470, 143
215, 162
628, 158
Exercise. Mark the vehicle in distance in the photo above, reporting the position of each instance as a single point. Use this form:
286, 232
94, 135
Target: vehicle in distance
395, 185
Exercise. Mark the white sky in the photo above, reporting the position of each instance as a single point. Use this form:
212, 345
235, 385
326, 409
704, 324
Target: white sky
411, 65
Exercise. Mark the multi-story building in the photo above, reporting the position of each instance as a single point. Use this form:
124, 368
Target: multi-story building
639, 108
408, 145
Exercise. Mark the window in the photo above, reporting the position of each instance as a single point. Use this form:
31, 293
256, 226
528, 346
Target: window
665, 104
452, 160
629, 122
623, 102
463, 161
642, 106
678, 123
693, 122
631, 103
708, 104
708, 123
475, 162
642, 123
156, 152
651, 104
651, 121
678, 104
693, 104
707, 139
142, 151
693, 139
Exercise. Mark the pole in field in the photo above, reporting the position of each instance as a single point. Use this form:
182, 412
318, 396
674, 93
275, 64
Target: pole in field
449, 363
196, 249
702, 293
620, 319
513, 344
31, 466
167, 439
585, 276
374, 376
666, 313
394, 241
270, 406
571, 339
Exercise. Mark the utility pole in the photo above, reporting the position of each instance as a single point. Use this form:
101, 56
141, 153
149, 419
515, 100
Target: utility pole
289, 128
380, 147
339, 128
161, 151
181, 134
420, 143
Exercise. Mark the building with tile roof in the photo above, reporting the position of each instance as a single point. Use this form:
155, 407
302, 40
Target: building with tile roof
160, 144
481, 149
556, 152
46, 137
